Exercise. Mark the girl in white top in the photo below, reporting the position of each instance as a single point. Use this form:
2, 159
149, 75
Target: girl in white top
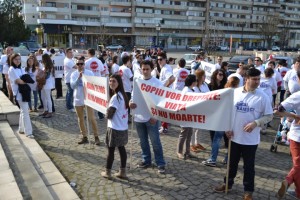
180, 74
50, 84
14, 73
32, 70
201, 87
117, 126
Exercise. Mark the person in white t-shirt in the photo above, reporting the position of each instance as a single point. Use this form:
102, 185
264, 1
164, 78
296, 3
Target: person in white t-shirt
268, 83
258, 64
180, 74
240, 74
291, 79
282, 69
277, 77
253, 109
32, 70
15, 72
77, 86
167, 78
94, 64
6, 88
127, 77
117, 126
292, 103
136, 66
69, 67
219, 62
115, 67
147, 126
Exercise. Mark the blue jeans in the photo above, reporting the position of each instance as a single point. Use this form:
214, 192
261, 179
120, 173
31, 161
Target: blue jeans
216, 145
69, 97
144, 131
35, 100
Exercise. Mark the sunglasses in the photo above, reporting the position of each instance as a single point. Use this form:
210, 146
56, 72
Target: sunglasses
80, 64
221, 74
257, 60
160, 59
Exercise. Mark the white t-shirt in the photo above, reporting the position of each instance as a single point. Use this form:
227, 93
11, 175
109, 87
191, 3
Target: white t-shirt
203, 88
120, 119
165, 73
293, 103
261, 68
50, 82
277, 77
145, 114
106, 70
292, 79
95, 65
269, 86
126, 75
180, 75
282, 71
239, 76
249, 106
136, 69
68, 68
5, 68
14, 74
217, 66
115, 68
33, 86
3, 59
77, 86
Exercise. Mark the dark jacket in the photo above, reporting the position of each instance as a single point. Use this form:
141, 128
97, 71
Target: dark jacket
24, 89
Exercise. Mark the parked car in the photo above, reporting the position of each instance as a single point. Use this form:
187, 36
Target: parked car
189, 58
290, 49
289, 60
275, 48
114, 47
195, 47
32, 46
224, 48
22, 51
235, 60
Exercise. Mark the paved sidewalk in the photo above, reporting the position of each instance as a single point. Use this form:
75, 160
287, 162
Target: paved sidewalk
188, 179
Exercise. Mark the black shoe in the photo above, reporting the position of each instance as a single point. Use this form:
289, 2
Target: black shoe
97, 141
40, 107
83, 140
143, 165
161, 169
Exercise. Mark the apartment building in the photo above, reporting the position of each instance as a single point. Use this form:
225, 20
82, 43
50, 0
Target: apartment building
171, 23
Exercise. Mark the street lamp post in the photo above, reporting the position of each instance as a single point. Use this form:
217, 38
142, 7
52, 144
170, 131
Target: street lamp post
157, 33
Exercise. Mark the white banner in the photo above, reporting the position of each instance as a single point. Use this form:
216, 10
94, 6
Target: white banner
211, 111
209, 69
96, 92
58, 62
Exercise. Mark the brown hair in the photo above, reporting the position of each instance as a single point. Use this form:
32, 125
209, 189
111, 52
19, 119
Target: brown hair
199, 75
233, 82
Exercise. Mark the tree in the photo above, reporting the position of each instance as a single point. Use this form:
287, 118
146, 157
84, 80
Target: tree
284, 34
12, 27
268, 28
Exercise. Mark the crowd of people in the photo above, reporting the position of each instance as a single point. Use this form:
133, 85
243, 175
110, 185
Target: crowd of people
255, 85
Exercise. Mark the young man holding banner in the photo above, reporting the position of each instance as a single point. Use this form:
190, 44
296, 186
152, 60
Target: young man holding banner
252, 109
77, 86
147, 126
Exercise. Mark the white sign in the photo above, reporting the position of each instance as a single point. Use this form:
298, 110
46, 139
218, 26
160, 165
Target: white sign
209, 69
211, 111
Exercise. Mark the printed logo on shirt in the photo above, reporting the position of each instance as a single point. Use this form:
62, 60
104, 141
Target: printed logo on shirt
243, 107
264, 85
120, 72
94, 65
183, 74
283, 73
295, 78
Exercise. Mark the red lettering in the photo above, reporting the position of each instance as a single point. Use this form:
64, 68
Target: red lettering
173, 95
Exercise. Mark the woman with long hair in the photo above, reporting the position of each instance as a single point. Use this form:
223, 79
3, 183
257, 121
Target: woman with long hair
218, 80
50, 84
115, 67
117, 126
15, 72
224, 66
232, 82
32, 70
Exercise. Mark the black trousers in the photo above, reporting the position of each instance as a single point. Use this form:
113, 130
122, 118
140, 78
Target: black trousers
247, 152
58, 87
111, 157
4, 86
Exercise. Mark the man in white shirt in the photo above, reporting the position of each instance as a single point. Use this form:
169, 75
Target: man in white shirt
136, 66
240, 74
219, 62
147, 127
290, 79
252, 109
277, 77
180, 74
77, 86
127, 78
47, 51
69, 67
258, 64
167, 78
5, 83
197, 63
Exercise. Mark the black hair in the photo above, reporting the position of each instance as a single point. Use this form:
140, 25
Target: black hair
91, 51
252, 71
272, 62
147, 62
125, 59
181, 63
190, 79
269, 72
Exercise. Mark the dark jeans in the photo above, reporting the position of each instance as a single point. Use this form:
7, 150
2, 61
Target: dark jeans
111, 157
4, 86
58, 87
69, 97
40, 97
212, 135
53, 107
282, 92
129, 97
247, 152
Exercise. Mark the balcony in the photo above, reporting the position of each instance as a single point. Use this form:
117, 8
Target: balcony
46, 9
86, 12
118, 24
180, 17
197, 8
119, 14
197, 18
63, 10
238, 2
56, 21
232, 10
89, 2
145, 15
144, 4
120, 3
293, 5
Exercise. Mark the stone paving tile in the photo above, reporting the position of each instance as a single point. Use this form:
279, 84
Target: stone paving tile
184, 179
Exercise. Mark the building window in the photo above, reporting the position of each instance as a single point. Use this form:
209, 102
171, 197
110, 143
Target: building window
148, 11
50, 4
139, 10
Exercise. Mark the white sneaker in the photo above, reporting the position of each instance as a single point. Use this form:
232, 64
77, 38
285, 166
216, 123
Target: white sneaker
30, 136
72, 110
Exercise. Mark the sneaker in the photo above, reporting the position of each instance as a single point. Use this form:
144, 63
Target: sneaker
292, 193
282, 190
247, 196
49, 115
30, 136
163, 130
224, 161
161, 169
83, 140
194, 149
35, 110
180, 156
97, 141
21, 132
222, 188
209, 163
72, 110
189, 156
200, 147
44, 113
40, 107
143, 165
